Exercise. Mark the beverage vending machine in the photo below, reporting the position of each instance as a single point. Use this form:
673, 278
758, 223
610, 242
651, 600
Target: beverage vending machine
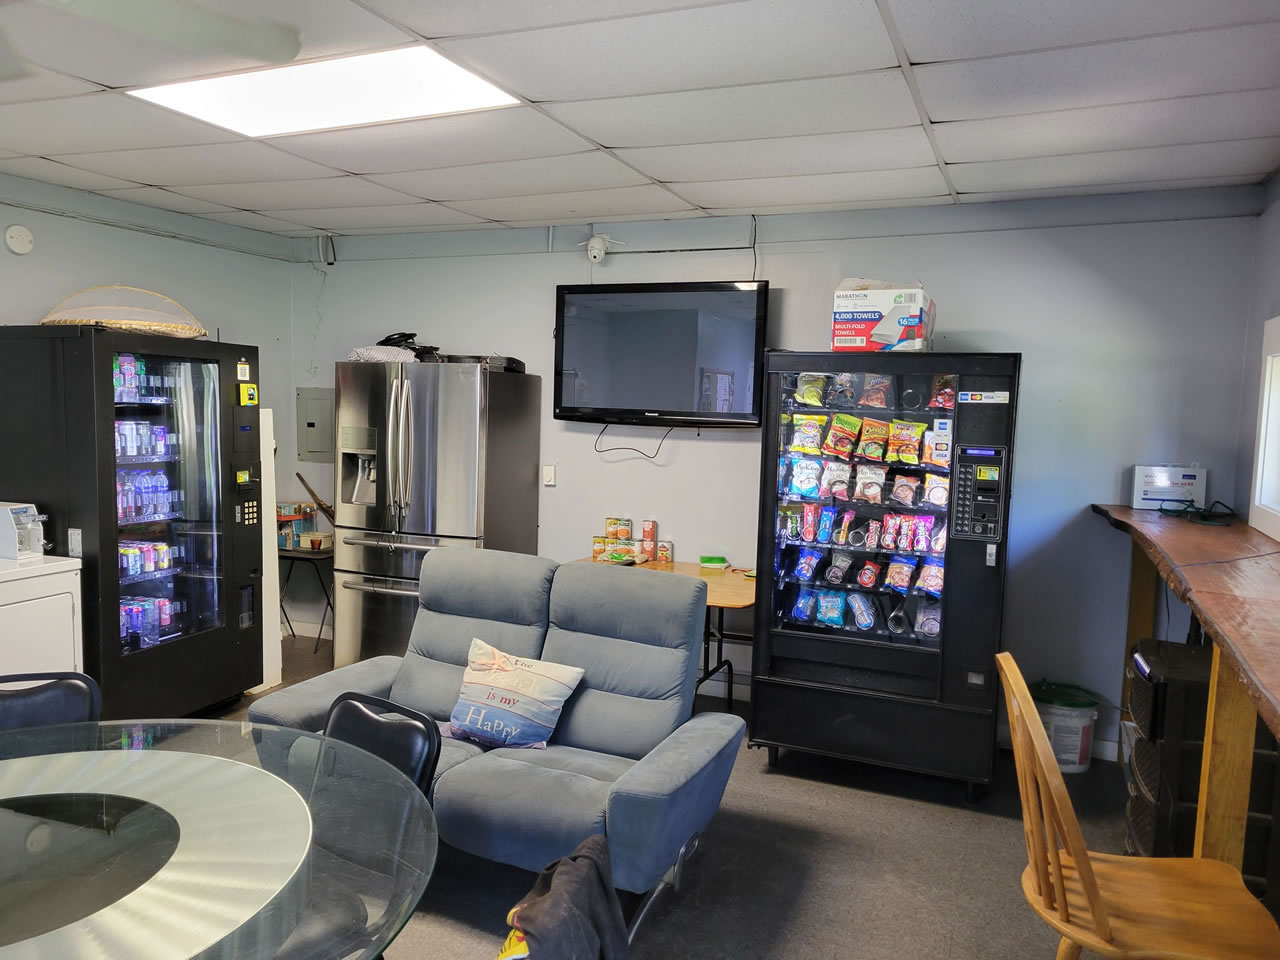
884, 520
144, 453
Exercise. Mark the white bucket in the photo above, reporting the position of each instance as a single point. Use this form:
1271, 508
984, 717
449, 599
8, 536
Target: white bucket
1070, 731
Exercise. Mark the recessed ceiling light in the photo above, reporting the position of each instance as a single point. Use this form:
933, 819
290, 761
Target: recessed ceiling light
371, 88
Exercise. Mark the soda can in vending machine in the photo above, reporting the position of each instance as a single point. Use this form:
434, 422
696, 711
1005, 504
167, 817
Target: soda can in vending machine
148, 558
162, 556
164, 613
159, 444
136, 623
135, 561
124, 621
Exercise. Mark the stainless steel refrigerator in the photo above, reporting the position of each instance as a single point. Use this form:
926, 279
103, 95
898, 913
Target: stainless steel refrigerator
430, 455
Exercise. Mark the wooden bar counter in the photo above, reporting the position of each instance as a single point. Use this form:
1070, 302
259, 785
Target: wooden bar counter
1230, 578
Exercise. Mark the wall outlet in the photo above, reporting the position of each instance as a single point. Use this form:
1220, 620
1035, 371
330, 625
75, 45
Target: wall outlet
548, 474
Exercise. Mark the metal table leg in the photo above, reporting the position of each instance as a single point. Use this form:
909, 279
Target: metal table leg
328, 603
716, 633
283, 590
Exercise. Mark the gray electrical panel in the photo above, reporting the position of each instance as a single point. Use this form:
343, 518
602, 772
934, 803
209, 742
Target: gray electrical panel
315, 424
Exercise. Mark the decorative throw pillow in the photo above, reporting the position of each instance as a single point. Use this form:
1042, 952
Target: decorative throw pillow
509, 701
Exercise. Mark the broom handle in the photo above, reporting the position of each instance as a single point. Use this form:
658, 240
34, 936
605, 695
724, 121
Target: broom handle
320, 504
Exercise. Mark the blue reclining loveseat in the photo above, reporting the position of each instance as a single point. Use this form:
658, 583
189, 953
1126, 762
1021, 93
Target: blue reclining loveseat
626, 759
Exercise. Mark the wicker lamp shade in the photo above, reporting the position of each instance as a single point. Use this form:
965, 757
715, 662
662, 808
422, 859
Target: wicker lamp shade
122, 307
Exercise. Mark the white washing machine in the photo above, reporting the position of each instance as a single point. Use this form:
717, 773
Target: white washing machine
40, 616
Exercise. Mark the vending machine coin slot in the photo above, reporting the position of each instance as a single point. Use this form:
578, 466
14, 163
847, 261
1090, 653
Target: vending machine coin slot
978, 493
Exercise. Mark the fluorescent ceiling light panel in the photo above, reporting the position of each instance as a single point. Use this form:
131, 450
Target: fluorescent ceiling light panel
371, 88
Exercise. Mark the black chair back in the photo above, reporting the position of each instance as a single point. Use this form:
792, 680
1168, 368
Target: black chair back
56, 698
408, 740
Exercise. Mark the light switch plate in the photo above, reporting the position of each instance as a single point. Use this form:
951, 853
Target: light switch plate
548, 474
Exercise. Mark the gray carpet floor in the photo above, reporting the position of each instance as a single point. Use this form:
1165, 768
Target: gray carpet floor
817, 858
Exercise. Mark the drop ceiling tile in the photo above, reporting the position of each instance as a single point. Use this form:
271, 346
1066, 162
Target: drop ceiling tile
97, 122
511, 133
1095, 189
254, 221
515, 178
242, 162
295, 194
1179, 65
831, 105
785, 156
449, 18
50, 171
355, 218
747, 42
42, 84
619, 201
159, 197
1220, 116
821, 188
831, 207
115, 57
981, 28
1227, 159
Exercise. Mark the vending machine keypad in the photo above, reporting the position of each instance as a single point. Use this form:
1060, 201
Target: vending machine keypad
979, 491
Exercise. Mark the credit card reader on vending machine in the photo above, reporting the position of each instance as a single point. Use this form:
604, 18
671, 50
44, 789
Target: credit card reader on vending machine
980, 475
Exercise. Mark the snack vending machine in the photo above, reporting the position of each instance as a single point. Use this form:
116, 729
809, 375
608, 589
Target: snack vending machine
884, 517
144, 453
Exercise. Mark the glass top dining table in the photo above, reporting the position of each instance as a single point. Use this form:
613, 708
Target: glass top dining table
180, 839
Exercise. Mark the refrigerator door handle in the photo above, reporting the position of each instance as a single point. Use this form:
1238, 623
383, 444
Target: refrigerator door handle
393, 459
368, 588
406, 450
388, 544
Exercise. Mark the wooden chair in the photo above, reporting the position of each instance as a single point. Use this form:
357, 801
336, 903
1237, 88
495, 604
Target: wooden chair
1132, 908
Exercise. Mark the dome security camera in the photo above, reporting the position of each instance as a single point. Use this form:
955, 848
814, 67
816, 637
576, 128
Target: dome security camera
597, 247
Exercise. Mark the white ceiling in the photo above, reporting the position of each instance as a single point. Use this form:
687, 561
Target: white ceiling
637, 109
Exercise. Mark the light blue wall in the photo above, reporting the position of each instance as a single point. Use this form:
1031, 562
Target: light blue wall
244, 296
1132, 336
1132, 313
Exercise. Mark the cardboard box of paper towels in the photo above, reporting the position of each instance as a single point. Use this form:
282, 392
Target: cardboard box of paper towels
871, 315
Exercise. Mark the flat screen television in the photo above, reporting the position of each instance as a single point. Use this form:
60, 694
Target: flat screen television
671, 354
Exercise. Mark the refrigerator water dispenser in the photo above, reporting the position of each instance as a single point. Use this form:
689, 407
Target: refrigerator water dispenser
359, 480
